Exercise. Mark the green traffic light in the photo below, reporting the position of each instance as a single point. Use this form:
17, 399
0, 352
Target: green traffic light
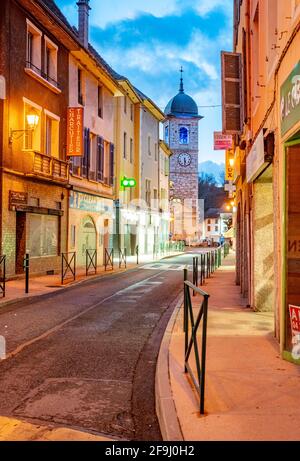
128, 182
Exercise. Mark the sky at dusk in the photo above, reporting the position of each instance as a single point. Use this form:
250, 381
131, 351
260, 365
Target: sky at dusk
148, 42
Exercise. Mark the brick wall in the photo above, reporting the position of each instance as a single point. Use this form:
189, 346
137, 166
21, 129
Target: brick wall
48, 194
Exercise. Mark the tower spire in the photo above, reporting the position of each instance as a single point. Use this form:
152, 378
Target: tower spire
181, 89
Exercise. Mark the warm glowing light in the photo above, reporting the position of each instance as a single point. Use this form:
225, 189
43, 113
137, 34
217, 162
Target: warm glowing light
32, 120
232, 203
231, 162
228, 207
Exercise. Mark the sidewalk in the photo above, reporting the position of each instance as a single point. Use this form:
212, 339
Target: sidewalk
18, 431
47, 284
251, 393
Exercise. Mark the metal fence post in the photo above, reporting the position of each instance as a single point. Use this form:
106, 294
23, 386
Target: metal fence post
203, 359
3, 273
185, 315
26, 267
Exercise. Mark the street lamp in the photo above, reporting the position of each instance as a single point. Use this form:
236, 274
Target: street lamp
32, 119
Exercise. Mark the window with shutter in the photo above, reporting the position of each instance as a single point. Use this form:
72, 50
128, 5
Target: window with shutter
232, 93
100, 158
111, 164
86, 156
245, 79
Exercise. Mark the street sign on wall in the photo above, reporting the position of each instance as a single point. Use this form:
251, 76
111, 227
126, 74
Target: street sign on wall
222, 141
75, 146
290, 100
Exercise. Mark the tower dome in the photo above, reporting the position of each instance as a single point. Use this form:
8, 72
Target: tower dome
182, 105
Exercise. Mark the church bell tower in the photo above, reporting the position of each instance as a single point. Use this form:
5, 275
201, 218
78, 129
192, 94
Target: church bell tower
181, 131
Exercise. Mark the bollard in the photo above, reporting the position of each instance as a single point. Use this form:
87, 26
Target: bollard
26, 269
137, 254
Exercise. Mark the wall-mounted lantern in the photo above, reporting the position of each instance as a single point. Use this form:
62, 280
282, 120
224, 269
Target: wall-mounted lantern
32, 119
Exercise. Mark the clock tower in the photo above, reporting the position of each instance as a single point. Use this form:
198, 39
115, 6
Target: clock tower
181, 134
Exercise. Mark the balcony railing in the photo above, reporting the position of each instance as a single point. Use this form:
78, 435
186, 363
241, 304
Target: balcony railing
42, 74
50, 167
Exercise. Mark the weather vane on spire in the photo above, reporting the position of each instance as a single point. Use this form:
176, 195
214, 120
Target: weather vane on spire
181, 89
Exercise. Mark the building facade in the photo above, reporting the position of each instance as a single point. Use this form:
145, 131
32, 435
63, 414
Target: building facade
265, 66
164, 199
149, 232
127, 137
34, 178
92, 88
56, 198
216, 225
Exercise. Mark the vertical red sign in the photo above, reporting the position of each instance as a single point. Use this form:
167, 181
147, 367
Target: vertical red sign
75, 132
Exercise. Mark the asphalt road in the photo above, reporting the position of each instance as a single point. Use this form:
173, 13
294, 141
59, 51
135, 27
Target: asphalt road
86, 358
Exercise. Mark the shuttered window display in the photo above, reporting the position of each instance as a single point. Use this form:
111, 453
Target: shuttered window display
232, 94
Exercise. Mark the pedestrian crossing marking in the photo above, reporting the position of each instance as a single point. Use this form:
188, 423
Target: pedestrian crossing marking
167, 267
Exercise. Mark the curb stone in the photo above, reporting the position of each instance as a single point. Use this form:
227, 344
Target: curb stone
165, 406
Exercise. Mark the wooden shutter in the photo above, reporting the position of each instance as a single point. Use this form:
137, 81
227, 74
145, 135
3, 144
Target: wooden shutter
111, 163
86, 156
245, 78
100, 158
232, 103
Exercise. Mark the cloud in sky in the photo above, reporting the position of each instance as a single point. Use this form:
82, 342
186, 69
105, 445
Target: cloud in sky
149, 41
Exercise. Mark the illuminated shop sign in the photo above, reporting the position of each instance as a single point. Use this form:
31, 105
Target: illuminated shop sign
75, 146
290, 100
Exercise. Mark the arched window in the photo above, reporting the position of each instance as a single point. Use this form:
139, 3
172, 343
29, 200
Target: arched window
183, 135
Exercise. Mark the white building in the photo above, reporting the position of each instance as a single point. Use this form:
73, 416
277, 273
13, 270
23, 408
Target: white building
216, 224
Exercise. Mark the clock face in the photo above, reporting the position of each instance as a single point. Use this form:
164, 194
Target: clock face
184, 159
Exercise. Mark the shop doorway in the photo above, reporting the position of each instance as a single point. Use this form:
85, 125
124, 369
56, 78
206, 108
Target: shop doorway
87, 240
20, 241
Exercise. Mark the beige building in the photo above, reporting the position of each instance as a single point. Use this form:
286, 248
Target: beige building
261, 108
149, 174
93, 88
164, 188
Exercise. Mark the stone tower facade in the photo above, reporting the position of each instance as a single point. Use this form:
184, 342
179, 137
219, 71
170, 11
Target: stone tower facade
181, 130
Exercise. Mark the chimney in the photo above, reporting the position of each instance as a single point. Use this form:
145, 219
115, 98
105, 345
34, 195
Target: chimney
83, 21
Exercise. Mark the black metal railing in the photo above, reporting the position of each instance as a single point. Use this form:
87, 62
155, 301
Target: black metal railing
109, 258
191, 326
91, 262
205, 265
68, 266
2, 275
122, 258
195, 272
43, 74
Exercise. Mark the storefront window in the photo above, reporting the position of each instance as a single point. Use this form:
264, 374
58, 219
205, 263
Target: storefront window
42, 235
